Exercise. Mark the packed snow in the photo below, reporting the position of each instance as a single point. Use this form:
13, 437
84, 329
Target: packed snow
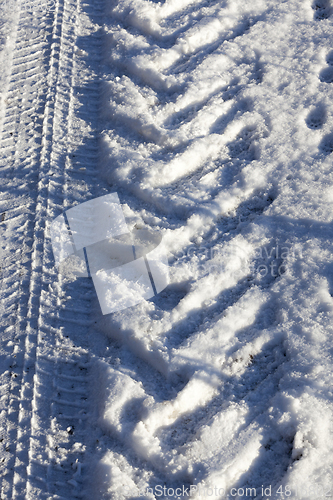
211, 123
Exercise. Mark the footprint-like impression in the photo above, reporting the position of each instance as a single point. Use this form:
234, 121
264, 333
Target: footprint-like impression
322, 8
326, 74
326, 145
317, 117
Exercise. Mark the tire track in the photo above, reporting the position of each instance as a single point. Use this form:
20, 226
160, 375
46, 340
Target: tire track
16, 140
49, 429
182, 144
68, 409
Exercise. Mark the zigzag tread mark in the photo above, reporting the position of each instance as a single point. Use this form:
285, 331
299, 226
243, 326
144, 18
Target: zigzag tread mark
181, 140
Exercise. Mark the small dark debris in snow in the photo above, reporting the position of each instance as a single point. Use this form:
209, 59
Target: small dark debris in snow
326, 144
326, 75
317, 117
322, 9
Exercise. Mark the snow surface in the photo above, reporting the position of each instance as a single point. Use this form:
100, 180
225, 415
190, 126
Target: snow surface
213, 123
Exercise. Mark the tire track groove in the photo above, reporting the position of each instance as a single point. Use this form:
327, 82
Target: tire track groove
41, 419
182, 144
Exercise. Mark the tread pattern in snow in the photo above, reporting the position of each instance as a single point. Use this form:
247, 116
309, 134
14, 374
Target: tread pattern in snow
186, 389
181, 144
49, 164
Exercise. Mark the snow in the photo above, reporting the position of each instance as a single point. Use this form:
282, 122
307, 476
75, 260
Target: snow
209, 124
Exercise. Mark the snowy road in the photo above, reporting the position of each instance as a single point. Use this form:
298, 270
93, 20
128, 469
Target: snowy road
213, 122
